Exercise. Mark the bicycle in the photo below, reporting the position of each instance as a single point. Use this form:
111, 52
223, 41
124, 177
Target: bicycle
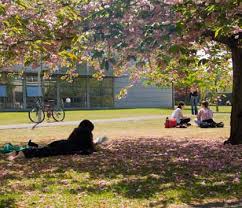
49, 109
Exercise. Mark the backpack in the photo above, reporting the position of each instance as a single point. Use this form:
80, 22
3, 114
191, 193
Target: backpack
170, 123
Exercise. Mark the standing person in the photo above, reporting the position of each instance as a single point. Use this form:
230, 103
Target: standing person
178, 115
194, 98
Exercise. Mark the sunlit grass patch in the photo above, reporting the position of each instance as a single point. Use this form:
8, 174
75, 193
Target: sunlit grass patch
145, 165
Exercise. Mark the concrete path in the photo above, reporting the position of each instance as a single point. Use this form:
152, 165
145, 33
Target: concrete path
75, 123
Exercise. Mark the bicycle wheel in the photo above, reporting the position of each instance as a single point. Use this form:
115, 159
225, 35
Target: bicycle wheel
36, 115
58, 114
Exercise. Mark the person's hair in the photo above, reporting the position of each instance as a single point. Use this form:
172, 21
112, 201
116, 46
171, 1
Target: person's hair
86, 124
205, 104
180, 104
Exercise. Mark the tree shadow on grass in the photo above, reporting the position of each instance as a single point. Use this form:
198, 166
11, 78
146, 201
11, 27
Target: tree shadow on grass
220, 204
235, 204
164, 171
7, 203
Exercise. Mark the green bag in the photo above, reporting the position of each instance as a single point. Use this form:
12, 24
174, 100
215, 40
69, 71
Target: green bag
8, 148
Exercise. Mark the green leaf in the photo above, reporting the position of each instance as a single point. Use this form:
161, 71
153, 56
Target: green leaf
210, 8
218, 31
23, 3
68, 55
2, 9
174, 48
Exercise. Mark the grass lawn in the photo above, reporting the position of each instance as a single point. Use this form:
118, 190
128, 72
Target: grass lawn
143, 165
116, 130
22, 117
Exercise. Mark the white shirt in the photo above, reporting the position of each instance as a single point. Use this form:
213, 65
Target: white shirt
177, 114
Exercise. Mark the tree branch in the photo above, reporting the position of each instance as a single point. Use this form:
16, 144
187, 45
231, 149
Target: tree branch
231, 41
221, 39
20, 42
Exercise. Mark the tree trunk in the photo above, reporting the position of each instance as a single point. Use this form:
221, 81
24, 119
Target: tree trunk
173, 95
217, 108
236, 114
217, 100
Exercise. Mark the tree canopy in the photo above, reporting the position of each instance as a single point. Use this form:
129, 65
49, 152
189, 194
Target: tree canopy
158, 39
64, 32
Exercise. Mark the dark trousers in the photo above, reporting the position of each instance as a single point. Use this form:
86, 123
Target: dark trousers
194, 103
41, 152
185, 121
61, 147
209, 121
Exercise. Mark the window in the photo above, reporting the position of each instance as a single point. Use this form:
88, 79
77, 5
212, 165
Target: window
101, 93
3, 91
50, 90
34, 91
11, 96
76, 91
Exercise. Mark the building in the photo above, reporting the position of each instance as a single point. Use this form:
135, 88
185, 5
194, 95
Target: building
85, 92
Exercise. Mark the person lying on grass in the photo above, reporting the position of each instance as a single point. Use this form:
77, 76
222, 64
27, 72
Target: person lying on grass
205, 117
80, 141
181, 120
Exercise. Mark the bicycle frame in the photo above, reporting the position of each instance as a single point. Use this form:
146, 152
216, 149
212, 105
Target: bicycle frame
47, 108
39, 103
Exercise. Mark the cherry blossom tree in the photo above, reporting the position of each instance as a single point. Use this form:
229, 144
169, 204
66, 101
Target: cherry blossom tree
161, 33
142, 37
218, 21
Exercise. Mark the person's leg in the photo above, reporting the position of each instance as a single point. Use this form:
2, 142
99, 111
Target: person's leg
192, 105
40, 152
56, 148
32, 144
14, 155
185, 121
195, 105
209, 121
198, 122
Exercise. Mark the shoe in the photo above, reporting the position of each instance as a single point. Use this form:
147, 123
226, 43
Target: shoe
32, 144
220, 125
181, 126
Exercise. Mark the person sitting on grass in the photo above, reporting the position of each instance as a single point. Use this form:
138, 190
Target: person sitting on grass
205, 117
80, 141
177, 114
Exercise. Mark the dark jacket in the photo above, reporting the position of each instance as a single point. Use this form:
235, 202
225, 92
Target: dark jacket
79, 140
